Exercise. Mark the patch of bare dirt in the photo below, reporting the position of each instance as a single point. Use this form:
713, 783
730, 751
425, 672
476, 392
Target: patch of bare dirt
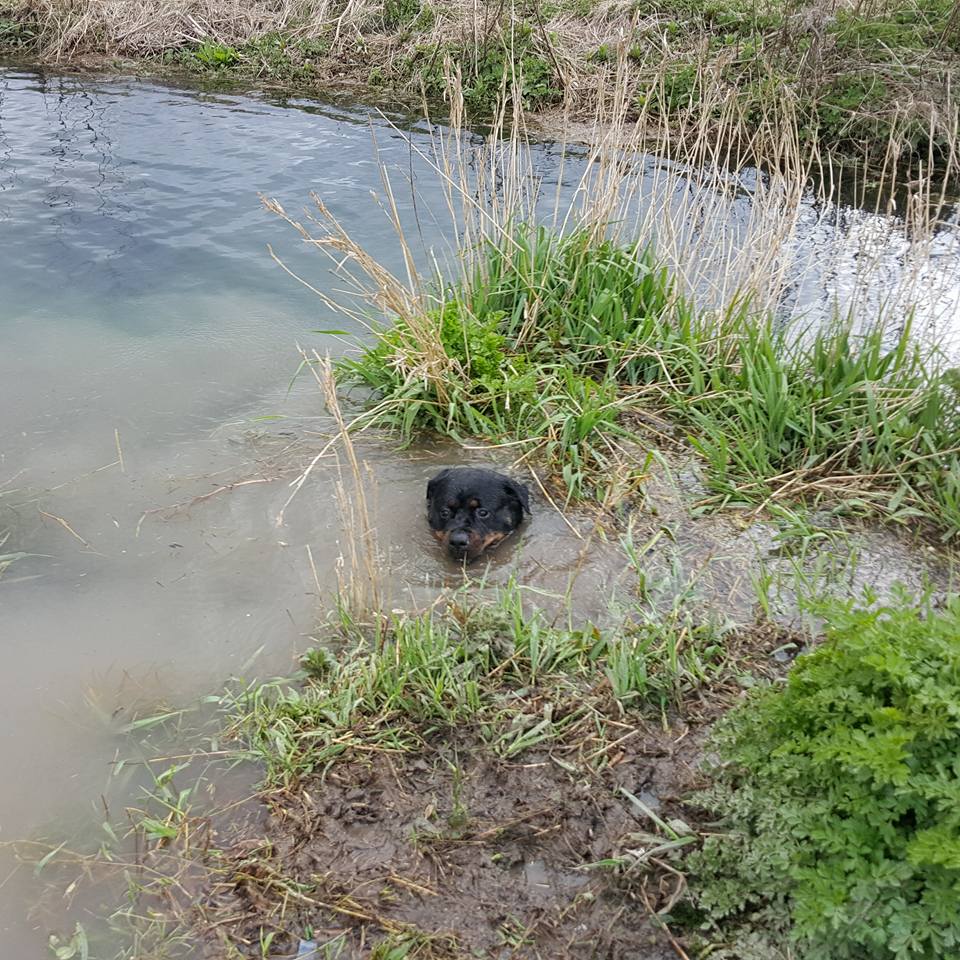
469, 855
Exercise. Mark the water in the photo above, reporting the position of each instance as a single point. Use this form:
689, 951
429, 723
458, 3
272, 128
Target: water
142, 312
142, 320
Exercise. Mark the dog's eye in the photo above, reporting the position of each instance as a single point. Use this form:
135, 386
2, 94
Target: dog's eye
482, 514
444, 514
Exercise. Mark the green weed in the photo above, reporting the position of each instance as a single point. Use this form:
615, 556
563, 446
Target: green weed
76, 948
274, 55
16, 33
215, 56
497, 69
674, 92
415, 945
397, 13
847, 108
281, 57
838, 794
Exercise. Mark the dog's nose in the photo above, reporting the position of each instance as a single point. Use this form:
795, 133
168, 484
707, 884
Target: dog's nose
459, 539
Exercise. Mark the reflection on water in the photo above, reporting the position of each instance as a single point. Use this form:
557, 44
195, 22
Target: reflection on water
144, 334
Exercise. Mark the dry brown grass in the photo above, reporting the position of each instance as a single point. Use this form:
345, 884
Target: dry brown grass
720, 248
138, 28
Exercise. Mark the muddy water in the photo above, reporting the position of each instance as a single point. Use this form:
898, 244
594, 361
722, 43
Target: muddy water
142, 317
148, 434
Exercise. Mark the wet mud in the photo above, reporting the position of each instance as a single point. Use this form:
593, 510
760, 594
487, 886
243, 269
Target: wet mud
453, 852
470, 856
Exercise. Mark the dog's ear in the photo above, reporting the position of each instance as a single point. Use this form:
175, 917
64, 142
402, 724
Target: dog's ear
435, 482
519, 492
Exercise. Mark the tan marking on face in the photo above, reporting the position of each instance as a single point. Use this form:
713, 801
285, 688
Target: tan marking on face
473, 504
478, 544
440, 536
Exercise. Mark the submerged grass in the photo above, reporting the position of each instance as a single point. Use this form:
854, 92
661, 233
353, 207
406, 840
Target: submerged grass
10, 557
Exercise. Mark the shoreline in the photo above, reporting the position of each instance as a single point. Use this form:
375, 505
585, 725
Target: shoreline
869, 89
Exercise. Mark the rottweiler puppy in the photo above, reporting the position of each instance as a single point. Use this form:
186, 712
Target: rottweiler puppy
470, 510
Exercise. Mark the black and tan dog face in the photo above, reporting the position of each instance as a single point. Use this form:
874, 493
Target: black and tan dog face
470, 510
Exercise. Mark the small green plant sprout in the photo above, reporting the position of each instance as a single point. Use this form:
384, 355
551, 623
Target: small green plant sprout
216, 56
459, 816
318, 663
266, 942
76, 948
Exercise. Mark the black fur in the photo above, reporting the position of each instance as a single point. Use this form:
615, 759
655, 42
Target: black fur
470, 510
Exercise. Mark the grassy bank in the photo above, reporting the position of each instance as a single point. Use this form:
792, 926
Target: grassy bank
865, 81
413, 778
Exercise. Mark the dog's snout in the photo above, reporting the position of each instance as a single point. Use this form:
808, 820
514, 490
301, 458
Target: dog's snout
459, 539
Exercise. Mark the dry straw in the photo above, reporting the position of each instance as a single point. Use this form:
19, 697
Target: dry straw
729, 205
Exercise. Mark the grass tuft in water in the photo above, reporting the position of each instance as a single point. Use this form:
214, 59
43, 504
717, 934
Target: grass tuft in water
559, 343
533, 349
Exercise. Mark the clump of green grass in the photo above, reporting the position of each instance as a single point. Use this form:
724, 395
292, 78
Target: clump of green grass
272, 55
556, 342
577, 298
15, 33
865, 420
499, 67
473, 391
215, 56
491, 671
838, 793
532, 349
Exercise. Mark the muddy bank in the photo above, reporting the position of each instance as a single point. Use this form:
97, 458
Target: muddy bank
451, 847
451, 853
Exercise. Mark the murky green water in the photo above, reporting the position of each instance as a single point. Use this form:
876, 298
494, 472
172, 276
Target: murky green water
141, 315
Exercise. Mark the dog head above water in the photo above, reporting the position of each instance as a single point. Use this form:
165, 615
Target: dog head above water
470, 510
